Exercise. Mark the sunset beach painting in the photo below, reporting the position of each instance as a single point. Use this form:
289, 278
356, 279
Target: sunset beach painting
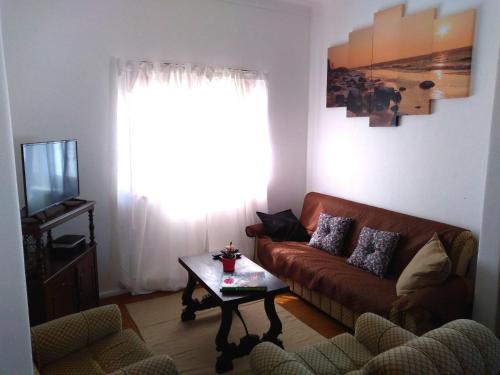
402, 62
452, 55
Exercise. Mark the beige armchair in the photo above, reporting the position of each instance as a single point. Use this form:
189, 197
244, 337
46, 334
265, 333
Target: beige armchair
380, 347
93, 342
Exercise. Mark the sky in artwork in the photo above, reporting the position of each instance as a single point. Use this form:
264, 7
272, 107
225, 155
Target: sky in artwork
339, 56
360, 47
454, 31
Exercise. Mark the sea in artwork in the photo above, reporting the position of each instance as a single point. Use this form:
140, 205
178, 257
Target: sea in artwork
400, 87
448, 71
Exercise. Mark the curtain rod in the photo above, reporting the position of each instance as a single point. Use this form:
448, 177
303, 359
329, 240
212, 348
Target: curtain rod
171, 63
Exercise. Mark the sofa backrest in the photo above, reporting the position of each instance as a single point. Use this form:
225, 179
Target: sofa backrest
415, 232
459, 347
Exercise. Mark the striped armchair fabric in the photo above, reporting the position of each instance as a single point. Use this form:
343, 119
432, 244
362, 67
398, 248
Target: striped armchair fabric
93, 342
380, 347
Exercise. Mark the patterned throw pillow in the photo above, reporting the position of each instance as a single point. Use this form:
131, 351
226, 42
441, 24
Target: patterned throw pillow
330, 233
374, 250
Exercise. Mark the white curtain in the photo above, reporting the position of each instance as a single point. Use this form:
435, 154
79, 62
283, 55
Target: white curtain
192, 166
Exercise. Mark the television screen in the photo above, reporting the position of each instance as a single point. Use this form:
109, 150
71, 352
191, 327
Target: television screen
50, 174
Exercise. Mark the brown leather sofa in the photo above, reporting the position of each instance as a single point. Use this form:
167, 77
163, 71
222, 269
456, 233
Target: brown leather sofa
345, 292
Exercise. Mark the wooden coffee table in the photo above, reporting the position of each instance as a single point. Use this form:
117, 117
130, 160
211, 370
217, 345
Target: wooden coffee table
208, 272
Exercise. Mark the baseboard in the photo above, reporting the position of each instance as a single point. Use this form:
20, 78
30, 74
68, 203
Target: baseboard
112, 293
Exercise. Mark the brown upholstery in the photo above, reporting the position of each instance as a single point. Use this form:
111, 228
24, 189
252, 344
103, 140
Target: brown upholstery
415, 232
328, 274
345, 291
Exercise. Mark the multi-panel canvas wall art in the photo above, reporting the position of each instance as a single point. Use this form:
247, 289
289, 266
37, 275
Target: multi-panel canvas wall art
399, 64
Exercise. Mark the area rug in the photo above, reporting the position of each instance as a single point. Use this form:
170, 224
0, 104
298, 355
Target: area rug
192, 344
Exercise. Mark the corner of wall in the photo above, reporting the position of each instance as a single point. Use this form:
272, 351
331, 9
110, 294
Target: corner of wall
15, 356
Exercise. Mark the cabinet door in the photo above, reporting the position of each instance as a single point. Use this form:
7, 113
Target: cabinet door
60, 295
87, 278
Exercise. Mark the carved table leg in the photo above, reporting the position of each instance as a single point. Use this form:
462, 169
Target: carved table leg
188, 301
247, 342
228, 351
275, 328
192, 304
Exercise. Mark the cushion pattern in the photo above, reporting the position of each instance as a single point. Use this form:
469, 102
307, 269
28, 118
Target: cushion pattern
482, 338
461, 347
92, 342
374, 250
58, 338
330, 233
378, 334
352, 348
269, 359
105, 356
159, 364
401, 360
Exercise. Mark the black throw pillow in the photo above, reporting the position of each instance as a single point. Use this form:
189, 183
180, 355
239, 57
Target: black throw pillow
283, 226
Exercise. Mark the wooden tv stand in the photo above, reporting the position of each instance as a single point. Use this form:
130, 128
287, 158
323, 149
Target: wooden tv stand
59, 285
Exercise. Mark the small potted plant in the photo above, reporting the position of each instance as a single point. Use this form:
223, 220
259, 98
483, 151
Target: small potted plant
229, 257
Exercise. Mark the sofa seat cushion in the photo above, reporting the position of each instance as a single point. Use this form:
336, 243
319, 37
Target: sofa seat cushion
352, 287
105, 356
338, 355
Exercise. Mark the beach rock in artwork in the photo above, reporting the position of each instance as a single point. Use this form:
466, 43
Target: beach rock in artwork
340, 100
341, 70
354, 101
361, 87
397, 97
426, 85
382, 97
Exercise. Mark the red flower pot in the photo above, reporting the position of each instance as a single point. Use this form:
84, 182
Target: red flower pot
228, 264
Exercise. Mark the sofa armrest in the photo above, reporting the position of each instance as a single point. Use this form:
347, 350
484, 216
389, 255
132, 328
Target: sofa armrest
158, 365
56, 339
444, 302
462, 251
269, 359
255, 230
378, 334
417, 320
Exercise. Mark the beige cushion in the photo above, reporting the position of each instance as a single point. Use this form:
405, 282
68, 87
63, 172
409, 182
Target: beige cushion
110, 354
430, 266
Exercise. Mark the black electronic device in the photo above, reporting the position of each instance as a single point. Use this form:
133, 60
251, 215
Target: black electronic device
68, 241
50, 171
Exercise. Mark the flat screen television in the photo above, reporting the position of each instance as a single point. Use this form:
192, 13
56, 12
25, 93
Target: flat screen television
50, 172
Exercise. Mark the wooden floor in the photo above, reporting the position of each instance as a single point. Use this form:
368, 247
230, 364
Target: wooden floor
308, 314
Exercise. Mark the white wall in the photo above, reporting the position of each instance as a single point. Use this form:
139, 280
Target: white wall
15, 348
487, 297
431, 166
58, 56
